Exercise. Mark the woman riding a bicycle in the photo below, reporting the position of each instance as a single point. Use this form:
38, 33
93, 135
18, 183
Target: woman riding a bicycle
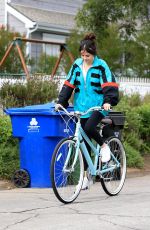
94, 85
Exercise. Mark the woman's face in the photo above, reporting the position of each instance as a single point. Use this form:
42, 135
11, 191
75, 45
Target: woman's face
87, 57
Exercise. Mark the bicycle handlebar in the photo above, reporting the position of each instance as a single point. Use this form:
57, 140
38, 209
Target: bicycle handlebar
96, 108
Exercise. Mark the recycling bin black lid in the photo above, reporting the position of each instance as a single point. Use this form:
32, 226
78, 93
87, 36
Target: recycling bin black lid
42, 109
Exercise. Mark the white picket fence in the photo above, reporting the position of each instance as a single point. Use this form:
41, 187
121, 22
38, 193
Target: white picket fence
127, 85
134, 85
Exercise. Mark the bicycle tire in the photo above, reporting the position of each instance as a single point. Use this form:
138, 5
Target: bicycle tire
66, 180
112, 182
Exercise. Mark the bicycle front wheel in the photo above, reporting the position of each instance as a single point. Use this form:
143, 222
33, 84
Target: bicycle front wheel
113, 180
67, 171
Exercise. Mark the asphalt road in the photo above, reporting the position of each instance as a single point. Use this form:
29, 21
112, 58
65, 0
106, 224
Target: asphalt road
38, 209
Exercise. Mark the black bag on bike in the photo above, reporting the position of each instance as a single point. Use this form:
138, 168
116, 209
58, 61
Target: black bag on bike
114, 129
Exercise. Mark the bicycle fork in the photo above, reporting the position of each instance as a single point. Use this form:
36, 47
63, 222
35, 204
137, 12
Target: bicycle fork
69, 155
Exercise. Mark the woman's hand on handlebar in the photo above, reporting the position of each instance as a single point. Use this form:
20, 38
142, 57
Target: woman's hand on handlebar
58, 107
107, 106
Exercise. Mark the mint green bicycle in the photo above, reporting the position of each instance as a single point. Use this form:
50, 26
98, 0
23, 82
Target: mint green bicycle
67, 168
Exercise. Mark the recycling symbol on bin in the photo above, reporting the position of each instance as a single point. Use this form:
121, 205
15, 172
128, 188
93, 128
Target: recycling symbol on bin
33, 121
33, 127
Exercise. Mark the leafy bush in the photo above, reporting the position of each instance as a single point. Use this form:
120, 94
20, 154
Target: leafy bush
137, 127
5, 129
146, 99
9, 153
132, 122
9, 160
144, 112
134, 100
134, 140
34, 91
134, 159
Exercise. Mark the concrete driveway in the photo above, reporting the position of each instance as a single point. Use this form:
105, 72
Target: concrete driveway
38, 209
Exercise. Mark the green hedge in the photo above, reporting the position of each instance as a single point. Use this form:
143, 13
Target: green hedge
136, 132
134, 159
9, 153
34, 91
144, 112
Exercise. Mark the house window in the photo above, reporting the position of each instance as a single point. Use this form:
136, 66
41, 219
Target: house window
50, 49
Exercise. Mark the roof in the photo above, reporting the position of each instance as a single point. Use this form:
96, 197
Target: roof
46, 17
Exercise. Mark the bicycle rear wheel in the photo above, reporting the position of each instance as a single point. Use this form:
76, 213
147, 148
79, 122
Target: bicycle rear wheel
67, 171
113, 180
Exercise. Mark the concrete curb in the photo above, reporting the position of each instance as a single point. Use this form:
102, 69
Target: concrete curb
131, 172
6, 185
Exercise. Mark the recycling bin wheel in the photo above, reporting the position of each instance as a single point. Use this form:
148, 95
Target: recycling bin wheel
21, 178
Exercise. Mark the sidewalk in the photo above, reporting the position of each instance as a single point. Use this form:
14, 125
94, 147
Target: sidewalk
38, 209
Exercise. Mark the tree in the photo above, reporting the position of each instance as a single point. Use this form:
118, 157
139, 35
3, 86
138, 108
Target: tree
97, 14
73, 43
137, 9
114, 53
125, 46
143, 40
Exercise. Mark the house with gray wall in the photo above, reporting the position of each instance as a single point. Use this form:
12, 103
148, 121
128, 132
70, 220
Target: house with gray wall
48, 20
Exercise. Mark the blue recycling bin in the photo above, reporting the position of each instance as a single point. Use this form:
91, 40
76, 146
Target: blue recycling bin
39, 128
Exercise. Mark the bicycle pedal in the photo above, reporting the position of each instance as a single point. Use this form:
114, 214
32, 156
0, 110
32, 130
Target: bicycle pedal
85, 188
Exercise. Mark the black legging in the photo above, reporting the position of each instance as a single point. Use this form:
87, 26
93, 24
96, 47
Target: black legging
89, 125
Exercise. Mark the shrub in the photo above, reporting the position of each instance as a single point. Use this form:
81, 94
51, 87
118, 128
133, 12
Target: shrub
9, 160
137, 127
132, 121
9, 153
144, 112
146, 99
34, 91
5, 129
135, 100
134, 159
134, 140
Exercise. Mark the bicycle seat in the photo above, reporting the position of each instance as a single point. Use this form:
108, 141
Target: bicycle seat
106, 121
